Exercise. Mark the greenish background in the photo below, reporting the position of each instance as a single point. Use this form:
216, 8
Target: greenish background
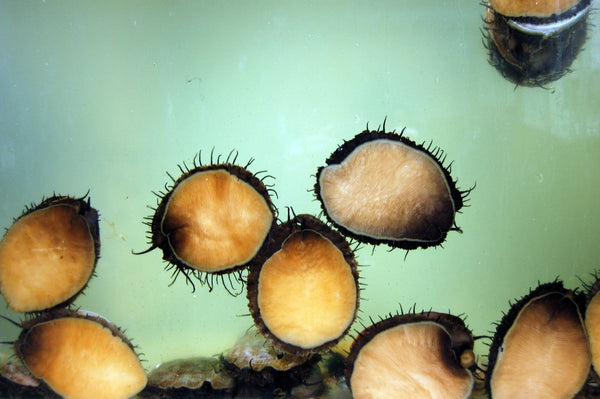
107, 96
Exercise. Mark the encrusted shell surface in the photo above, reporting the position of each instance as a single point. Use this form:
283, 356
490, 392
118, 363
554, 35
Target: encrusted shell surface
254, 351
193, 373
14, 370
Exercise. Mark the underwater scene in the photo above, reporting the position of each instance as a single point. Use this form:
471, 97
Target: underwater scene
300, 199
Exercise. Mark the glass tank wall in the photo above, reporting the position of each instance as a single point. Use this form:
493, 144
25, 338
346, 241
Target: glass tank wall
108, 98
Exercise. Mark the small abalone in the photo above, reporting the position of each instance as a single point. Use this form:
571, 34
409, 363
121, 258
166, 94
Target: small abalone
414, 355
540, 348
534, 50
80, 356
213, 220
384, 188
49, 254
305, 295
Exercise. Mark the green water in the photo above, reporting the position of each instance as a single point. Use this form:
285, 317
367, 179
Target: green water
107, 96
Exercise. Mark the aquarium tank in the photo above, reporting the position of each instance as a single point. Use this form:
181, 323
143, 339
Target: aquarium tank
284, 199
